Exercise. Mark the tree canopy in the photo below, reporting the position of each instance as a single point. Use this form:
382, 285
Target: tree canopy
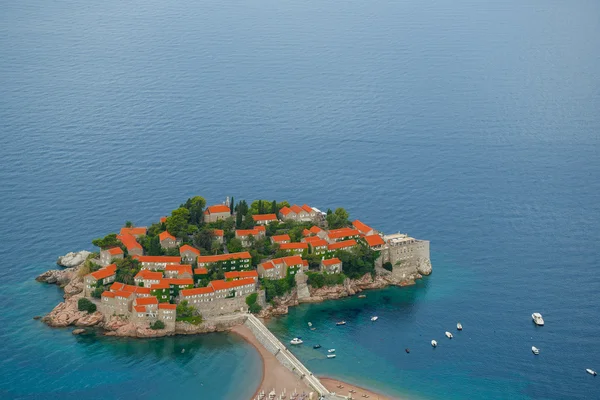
338, 218
177, 223
196, 206
107, 241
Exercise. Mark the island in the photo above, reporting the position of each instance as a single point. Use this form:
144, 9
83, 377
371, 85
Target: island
225, 267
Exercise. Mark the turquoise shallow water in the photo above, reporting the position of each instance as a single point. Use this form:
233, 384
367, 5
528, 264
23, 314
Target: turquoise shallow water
474, 125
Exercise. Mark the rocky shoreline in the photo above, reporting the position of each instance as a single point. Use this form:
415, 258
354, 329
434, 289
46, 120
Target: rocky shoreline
67, 314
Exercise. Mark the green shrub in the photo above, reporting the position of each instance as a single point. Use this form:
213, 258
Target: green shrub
251, 299
157, 325
388, 265
254, 308
97, 293
86, 305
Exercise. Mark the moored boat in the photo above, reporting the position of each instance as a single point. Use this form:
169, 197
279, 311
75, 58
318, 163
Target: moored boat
459, 326
317, 346
374, 318
535, 350
537, 318
296, 341
362, 296
341, 323
434, 343
407, 350
448, 335
591, 372
331, 351
330, 355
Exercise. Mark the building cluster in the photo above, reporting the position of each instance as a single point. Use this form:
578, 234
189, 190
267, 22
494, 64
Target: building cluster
165, 281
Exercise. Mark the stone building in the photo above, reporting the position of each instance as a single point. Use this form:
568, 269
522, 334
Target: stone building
158, 262
281, 239
375, 242
245, 235
216, 212
230, 261
346, 245
264, 219
297, 213
188, 253
279, 268
364, 229
407, 255
220, 297
179, 271
317, 245
294, 247
103, 276
167, 241
106, 256
135, 232
237, 275
218, 235
147, 278
331, 266
131, 244
339, 235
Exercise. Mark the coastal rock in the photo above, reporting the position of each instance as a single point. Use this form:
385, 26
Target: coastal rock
73, 259
74, 287
79, 331
424, 266
37, 317
90, 319
66, 313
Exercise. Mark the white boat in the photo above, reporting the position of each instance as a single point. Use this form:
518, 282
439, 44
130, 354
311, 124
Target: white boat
341, 323
537, 318
535, 350
591, 372
310, 324
374, 318
330, 355
331, 351
296, 341
459, 326
434, 343
448, 335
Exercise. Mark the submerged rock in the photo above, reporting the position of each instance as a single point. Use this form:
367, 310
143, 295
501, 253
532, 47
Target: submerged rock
79, 331
73, 259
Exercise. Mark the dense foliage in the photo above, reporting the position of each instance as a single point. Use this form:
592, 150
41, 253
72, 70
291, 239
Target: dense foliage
188, 313
318, 280
127, 268
357, 262
338, 218
253, 305
85, 305
388, 265
279, 287
97, 292
158, 324
107, 241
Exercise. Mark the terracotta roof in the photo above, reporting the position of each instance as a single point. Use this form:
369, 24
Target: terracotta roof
159, 259
241, 274
364, 228
285, 210
219, 208
221, 285
163, 284
145, 301
129, 241
341, 245
163, 220
305, 263
223, 257
200, 271
105, 272
315, 229
248, 232
180, 269
281, 238
341, 233
311, 239
319, 243
108, 294
139, 308
307, 208
331, 261
147, 274
374, 240
140, 230
306, 232
268, 265
122, 293
295, 208
115, 251
218, 232
141, 290
165, 235
292, 260
116, 286
292, 246
264, 217
189, 248
200, 290
167, 306
184, 281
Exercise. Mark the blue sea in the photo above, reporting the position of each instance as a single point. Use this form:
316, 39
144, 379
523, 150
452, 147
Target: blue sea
473, 124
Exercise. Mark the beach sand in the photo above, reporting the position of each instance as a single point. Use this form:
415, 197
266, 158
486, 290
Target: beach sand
332, 386
274, 374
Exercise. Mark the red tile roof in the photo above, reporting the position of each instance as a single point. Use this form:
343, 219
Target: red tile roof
295, 208
268, 265
281, 238
285, 210
342, 245
311, 239
201, 271
105, 272
219, 208
108, 294
159, 259
293, 246
115, 251
163, 284
145, 301
218, 232
163, 220
307, 208
331, 261
139, 308
221, 285
374, 240
141, 290
140, 230
363, 228
249, 232
129, 241
121, 293
147, 274
292, 260
167, 306
315, 229
165, 235
241, 274
224, 257
341, 233
189, 248
264, 217
180, 269
184, 281
200, 290
306, 232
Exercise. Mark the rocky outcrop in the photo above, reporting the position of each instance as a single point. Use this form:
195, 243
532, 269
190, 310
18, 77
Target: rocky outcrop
78, 331
73, 259
424, 266
66, 313
280, 305
68, 279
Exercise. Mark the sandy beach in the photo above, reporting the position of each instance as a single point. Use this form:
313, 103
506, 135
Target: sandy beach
274, 374
333, 386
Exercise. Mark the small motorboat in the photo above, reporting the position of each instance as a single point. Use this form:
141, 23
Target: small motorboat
591, 372
296, 341
317, 346
459, 326
374, 318
537, 318
341, 323
330, 355
448, 335
434, 343
331, 351
362, 296
535, 350
407, 350
310, 324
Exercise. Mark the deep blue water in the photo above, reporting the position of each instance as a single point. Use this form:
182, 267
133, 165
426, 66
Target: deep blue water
473, 124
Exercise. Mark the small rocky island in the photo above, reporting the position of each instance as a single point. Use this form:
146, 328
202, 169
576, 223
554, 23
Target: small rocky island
205, 269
